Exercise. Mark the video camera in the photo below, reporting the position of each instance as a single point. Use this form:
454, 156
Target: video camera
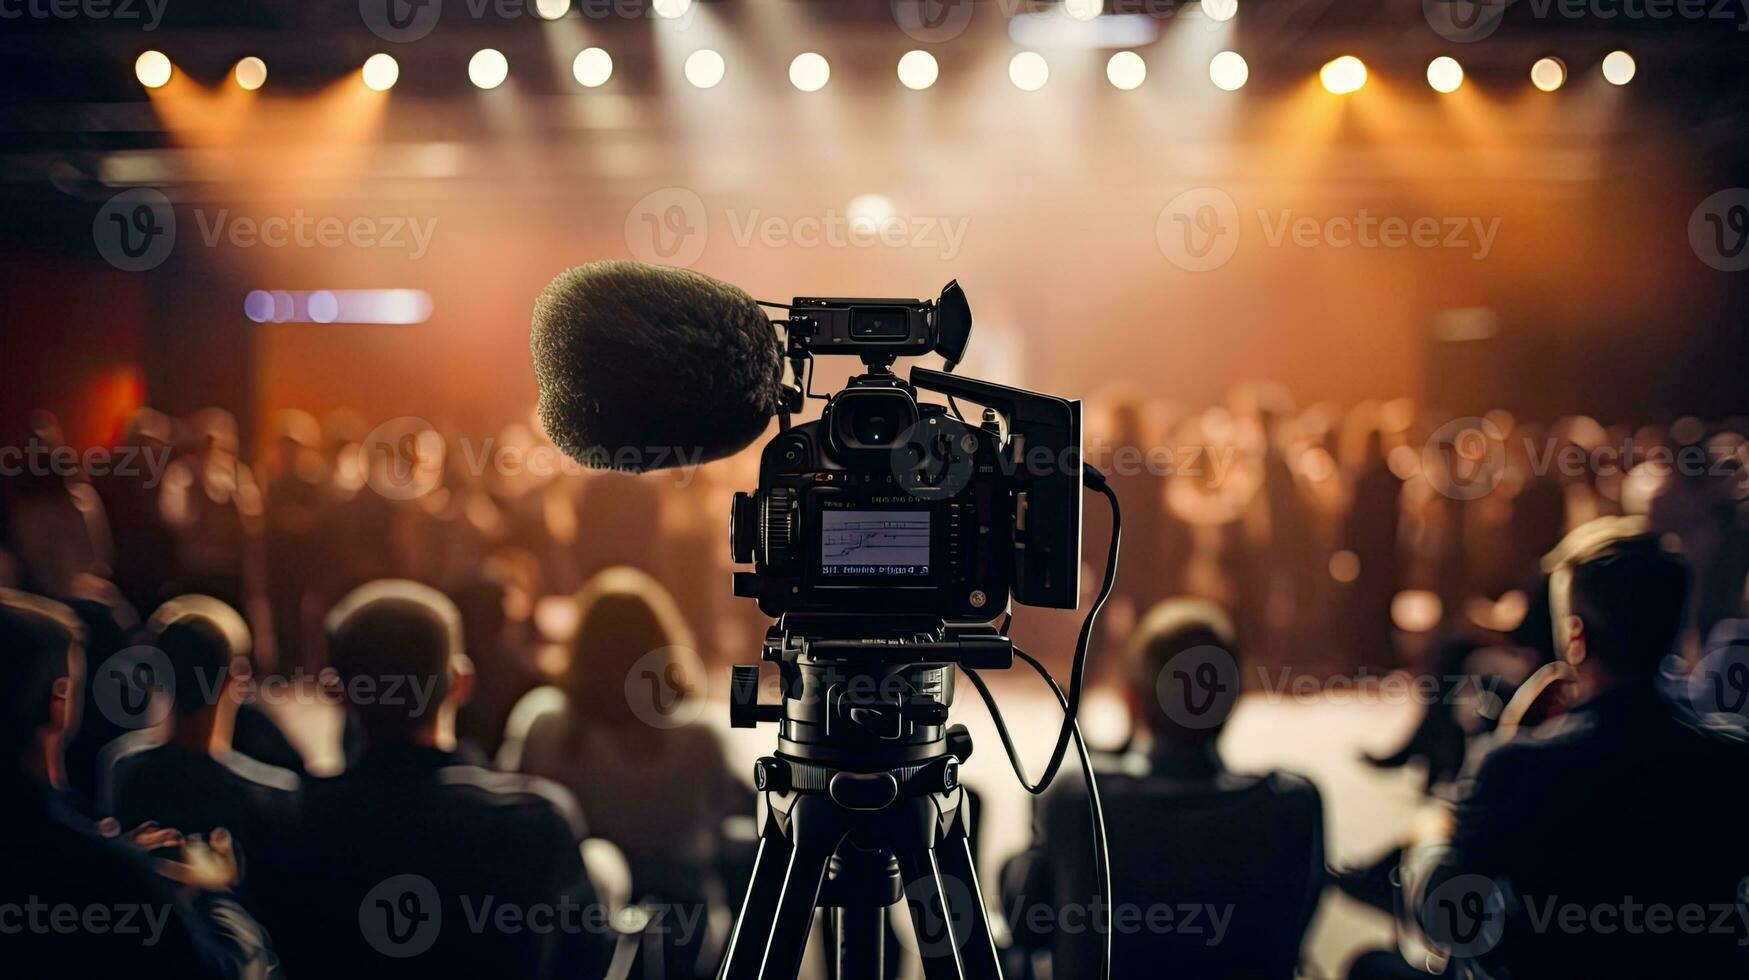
886, 504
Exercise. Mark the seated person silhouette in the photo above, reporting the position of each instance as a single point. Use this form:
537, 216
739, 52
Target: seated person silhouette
624, 735
194, 780
1607, 842
417, 862
126, 919
1216, 873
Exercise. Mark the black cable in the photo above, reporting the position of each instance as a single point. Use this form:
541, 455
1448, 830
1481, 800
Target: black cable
1078, 669
1102, 849
781, 306
1071, 706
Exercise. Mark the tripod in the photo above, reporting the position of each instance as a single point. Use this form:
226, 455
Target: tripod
862, 805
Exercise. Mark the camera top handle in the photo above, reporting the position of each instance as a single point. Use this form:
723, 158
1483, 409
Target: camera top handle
1042, 457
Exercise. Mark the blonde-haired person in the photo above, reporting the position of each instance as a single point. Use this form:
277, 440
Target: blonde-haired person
624, 734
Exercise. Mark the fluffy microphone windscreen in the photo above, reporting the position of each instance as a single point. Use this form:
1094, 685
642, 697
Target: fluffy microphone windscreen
642, 367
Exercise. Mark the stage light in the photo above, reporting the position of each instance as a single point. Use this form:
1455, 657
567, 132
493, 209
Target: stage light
673, 10
152, 69
250, 73
1028, 71
1343, 75
1229, 71
593, 67
381, 72
551, 9
1548, 74
488, 68
1220, 10
1445, 74
704, 68
918, 70
1126, 70
1618, 67
1084, 9
809, 72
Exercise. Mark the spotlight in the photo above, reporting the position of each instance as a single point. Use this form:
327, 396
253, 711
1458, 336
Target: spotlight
1548, 74
1126, 70
250, 73
1084, 9
1618, 67
152, 69
1219, 10
551, 9
1445, 74
672, 10
1343, 75
809, 72
1229, 71
488, 68
918, 70
593, 67
380, 72
704, 68
1028, 71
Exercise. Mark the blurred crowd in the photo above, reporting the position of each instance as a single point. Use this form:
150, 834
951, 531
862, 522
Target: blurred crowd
529, 593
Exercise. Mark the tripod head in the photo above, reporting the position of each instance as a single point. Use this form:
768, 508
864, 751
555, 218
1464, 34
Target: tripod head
865, 693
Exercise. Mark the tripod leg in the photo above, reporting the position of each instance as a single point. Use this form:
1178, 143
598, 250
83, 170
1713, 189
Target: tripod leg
861, 941
771, 933
947, 913
953, 862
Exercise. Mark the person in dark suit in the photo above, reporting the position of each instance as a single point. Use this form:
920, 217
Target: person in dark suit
1216, 873
419, 861
1607, 842
195, 780
77, 901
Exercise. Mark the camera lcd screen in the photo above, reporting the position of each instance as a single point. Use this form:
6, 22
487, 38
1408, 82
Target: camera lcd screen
874, 542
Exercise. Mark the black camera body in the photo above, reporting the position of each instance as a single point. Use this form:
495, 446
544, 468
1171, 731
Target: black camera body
889, 505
